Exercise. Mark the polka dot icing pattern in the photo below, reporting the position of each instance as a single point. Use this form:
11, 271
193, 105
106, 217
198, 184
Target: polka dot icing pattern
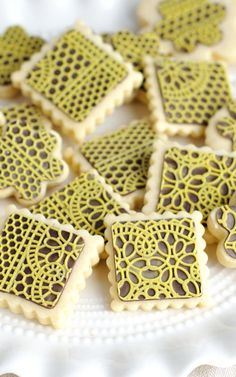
36, 259
156, 259
122, 157
196, 180
76, 75
83, 203
16, 46
28, 161
23, 113
188, 22
133, 47
192, 92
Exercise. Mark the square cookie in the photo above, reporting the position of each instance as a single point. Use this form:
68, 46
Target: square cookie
184, 95
156, 261
77, 80
121, 158
43, 266
221, 131
192, 27
185, 177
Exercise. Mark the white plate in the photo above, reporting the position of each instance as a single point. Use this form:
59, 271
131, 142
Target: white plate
96, 340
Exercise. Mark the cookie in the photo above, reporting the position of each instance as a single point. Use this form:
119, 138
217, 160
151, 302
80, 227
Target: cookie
30, 160
156, 261
77, 80
24, 113
16, 47
83, 203
185, 177
221, 131
184, 95
193, 27
44, 266
222, 224
121, 158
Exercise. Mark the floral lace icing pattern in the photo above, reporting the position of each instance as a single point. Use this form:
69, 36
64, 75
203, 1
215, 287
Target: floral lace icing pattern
156, 259
226, 218
188, 22
15, 48
195, 180
122, 157
192, 92
76, 75
227, 125
27, 160
36, 259
83, 203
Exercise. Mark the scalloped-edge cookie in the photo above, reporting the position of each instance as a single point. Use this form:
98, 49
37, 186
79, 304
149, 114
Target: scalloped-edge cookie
44, 266
24, 113
222, 225
192, 27
221, 130
185, 177
16, 47
156, 261
30, 161
120, 157
83, 203
77, 80
184, 95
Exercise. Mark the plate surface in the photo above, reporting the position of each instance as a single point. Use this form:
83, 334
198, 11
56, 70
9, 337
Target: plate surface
96, 340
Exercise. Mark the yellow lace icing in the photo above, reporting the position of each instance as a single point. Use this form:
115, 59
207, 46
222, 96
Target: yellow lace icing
27, 160
122, 157
134, 47
36, 259
195, 180
226, 126
83, 203
226, 218
189, 22
76, 75
192, 92
16, 46
23, 113
156, 259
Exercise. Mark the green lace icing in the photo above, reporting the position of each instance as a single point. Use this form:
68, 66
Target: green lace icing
134, 47
15, 48
226, 126
36, 259
122, 157
195, 180
188, 22
23, 113
156, 259
83, 203
27, 160
226, 218
192, 92
76, 75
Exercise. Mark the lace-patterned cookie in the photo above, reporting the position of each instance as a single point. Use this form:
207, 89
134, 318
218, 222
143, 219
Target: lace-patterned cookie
83, 203
185, 177
156, 261
222, 224
221, 131
193, 27
77, 80
184, 95
121, 158
24, 113
43, 266
16, 47
30, 160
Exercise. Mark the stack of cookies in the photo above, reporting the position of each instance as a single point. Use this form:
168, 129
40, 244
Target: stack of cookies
146, 203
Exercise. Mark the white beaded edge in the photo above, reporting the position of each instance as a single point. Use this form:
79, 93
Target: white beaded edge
78, 130
117, 304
